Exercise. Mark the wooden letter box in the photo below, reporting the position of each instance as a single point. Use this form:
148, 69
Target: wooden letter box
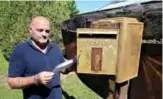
109, 50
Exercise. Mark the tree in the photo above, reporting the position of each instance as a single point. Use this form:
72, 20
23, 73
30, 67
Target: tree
73, 8
16, 16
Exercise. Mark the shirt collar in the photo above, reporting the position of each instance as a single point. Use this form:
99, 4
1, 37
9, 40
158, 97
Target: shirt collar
29, 41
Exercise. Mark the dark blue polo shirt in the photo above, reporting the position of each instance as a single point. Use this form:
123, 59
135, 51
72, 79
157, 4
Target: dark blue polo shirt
27, 60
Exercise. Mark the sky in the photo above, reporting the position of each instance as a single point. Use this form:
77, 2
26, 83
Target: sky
90, 5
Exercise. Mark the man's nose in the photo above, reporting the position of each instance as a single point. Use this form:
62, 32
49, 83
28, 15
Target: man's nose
44, 33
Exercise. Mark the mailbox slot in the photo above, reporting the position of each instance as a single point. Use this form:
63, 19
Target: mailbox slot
96, 36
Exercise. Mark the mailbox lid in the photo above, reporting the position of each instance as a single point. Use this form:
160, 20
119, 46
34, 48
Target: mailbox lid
111, 23
119, 19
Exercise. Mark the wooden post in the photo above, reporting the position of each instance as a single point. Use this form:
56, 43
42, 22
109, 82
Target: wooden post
111, 89
123, 93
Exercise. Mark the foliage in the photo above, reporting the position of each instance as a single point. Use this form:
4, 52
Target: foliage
16, 16
72, 7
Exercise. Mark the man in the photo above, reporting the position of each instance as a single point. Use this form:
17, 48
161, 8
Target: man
31, 64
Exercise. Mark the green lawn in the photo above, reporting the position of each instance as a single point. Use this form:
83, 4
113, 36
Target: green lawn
5, 91
71, 85
74, 87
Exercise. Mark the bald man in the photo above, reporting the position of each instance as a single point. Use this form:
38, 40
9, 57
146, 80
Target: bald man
32, 61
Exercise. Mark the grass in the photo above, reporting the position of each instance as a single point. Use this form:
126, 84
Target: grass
74, 87
71, 85
3, 65
5, 91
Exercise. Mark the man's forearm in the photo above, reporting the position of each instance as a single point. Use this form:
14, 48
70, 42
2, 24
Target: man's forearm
21, 82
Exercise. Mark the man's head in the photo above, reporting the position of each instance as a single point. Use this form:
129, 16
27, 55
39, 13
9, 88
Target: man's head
40, 29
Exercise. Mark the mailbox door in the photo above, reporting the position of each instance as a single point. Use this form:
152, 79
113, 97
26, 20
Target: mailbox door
97, 51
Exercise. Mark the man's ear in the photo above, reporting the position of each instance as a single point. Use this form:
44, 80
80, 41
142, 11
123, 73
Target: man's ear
30, 29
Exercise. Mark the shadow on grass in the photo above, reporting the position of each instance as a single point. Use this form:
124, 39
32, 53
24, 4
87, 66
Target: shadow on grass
66, 96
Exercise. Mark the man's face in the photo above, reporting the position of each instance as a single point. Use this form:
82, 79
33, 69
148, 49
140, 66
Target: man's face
40, 31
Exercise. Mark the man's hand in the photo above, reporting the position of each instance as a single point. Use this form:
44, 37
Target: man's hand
43, 77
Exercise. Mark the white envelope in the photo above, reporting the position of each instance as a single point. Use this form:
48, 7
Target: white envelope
62, 66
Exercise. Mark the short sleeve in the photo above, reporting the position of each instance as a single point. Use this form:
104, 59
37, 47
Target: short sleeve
61, 57
16, 63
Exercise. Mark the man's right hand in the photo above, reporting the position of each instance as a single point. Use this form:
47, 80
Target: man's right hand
43, 77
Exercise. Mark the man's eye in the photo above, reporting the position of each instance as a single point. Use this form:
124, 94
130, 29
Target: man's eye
40, 30
47, 31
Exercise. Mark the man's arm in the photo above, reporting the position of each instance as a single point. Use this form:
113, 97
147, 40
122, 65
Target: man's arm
23, 82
